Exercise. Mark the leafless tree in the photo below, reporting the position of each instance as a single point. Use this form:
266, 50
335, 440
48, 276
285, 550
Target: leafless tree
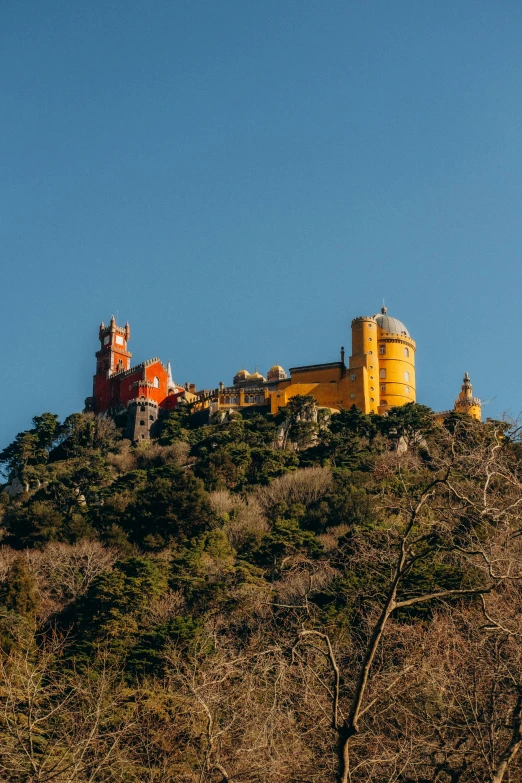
466, 516
58, 724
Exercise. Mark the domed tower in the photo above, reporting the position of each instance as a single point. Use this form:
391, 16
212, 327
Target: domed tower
466, 402
276, 373
241, 377
396, 355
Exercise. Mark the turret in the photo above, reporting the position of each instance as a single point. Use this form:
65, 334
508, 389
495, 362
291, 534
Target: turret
466, 403
363, 371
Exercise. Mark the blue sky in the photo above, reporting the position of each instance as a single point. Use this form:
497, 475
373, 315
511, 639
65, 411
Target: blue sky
241, 179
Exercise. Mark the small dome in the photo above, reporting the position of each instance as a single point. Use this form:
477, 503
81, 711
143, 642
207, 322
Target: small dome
257, 376
276, 373
391, 325
242, 374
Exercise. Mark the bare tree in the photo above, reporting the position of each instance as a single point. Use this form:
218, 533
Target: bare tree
58, 724
467, 516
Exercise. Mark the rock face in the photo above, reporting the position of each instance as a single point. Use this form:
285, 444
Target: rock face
16, 488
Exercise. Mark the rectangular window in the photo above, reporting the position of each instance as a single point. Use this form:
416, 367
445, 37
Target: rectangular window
382, 373
382, 349
352, 377
383, 387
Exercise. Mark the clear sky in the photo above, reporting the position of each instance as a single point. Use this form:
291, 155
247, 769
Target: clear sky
239, 179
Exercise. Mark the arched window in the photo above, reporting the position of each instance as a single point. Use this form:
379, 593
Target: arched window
406, 376
382, 373
156, 382
384, 402
406, 351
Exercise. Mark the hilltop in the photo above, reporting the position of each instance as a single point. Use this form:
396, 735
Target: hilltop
304, 596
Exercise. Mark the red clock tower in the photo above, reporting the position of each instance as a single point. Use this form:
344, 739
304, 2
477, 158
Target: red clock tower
112, 358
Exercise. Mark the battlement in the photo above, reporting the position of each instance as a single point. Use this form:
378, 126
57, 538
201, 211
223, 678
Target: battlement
140, 401
468, 402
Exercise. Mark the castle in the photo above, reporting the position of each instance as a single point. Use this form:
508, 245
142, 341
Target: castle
380, 375
142, 392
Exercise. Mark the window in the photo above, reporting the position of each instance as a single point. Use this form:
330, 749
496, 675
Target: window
352, 396
151, 418
406, 376
383, 387
156, 382
142, 408
353, 377
142, 423
382, 373
382, 349
407, 389
406, 351
384, 402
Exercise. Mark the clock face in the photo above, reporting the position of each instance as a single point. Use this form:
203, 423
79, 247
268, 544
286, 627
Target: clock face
106, 340
119, 339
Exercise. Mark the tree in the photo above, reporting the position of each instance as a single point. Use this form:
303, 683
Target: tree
466, 515
31, 447
18, 593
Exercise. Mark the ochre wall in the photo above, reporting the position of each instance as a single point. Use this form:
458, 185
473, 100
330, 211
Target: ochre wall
317, 375
360, 384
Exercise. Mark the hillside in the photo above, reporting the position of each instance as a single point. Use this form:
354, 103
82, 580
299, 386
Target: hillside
306, 598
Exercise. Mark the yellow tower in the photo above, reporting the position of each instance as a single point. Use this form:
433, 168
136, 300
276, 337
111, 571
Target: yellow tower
382, 364
466, 402
364, 366
396, 353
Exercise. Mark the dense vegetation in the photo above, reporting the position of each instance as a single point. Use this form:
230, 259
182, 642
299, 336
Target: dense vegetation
304, 599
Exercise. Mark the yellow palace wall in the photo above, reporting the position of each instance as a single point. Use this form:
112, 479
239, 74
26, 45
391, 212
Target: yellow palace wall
375, 353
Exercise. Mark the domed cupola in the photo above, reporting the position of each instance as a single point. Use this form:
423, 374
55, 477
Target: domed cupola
389, 324
241, 377
276, 373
